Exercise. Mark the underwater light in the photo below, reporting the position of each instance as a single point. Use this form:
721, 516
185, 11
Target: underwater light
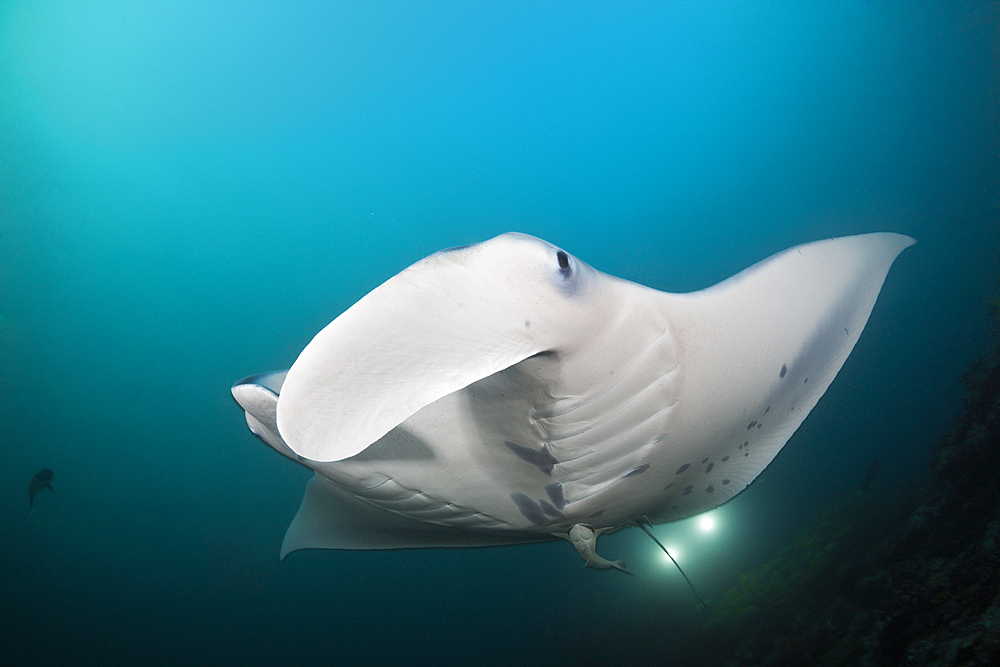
675, 552
706, 523
642, 524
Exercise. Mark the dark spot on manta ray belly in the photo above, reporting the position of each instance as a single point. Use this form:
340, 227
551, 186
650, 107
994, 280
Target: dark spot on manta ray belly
709, 467
725, 481
709, 489
594, 515
725, 458
556, 494
682, 468
784, 369
550, 510
528, 508
687, 490
751, 424
540, 458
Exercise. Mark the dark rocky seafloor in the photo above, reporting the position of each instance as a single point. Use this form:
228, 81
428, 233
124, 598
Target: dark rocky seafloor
878, 581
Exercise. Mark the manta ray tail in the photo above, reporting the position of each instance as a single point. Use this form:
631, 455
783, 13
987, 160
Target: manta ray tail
642, 524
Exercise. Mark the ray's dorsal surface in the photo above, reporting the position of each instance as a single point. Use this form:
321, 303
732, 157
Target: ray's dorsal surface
506, 392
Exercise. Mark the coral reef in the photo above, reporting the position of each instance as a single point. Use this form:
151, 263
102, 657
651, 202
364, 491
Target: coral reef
779, 579
918, 584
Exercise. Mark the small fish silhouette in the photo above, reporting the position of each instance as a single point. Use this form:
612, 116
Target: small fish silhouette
870, 476
41, 480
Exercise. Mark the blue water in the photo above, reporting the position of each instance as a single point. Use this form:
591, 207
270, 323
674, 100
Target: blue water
190, 191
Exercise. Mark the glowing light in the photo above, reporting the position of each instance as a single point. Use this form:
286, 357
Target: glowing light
706, 523
674, 551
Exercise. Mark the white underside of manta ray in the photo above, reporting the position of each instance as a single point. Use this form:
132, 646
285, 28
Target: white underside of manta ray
506, 392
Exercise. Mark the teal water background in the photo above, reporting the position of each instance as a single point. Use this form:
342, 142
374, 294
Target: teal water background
189, 191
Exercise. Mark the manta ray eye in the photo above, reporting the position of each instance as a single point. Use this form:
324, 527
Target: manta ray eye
563, 263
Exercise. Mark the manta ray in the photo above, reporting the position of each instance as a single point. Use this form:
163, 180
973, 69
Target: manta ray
506, 392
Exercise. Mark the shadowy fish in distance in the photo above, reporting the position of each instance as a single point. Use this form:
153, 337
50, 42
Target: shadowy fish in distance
870, 475
41, 480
